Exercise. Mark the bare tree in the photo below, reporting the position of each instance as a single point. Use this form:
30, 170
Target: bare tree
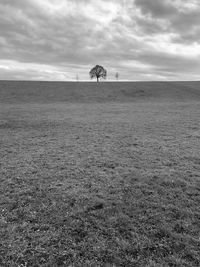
117, 75
98, 72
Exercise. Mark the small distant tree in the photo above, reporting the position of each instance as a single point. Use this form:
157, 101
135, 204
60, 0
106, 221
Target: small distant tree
98, 72
117, 75
77, 77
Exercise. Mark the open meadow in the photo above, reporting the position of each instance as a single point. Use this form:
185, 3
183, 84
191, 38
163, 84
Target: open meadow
100, 174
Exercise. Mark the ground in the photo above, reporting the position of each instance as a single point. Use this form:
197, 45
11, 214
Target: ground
101, 174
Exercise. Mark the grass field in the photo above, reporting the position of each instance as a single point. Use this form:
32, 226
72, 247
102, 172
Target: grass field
101, 174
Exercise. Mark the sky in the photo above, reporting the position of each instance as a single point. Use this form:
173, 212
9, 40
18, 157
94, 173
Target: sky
60, 39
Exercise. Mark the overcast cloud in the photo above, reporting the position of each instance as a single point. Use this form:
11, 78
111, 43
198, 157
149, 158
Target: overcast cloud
141, 39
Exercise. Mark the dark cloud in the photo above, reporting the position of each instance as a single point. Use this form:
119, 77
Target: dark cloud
171, 16
187, 26
157, 8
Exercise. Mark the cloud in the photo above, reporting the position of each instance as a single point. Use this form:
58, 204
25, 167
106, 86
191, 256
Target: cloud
182, 18
142, 39
157, 8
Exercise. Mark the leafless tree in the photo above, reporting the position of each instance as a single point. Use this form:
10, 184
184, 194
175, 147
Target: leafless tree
117, 75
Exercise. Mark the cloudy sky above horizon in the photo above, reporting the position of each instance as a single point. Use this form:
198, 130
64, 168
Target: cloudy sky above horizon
140, 39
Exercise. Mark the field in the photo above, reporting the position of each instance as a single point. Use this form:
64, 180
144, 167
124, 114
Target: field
101, 174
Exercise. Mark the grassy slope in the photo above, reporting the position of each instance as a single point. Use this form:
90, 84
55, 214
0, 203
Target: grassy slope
88, 183
51, 92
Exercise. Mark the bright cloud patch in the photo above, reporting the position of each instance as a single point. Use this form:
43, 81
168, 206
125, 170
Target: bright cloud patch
141, 39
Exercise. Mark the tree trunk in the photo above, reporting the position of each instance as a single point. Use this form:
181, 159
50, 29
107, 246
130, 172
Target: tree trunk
97, 79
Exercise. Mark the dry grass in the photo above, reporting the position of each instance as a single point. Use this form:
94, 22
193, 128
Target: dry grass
99, 184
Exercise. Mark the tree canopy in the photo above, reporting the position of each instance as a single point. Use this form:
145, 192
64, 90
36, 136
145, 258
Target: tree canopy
98, 72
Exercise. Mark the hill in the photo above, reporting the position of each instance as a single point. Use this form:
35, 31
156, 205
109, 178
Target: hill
48, 92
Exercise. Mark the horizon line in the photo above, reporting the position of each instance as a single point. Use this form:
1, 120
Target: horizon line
89, 81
